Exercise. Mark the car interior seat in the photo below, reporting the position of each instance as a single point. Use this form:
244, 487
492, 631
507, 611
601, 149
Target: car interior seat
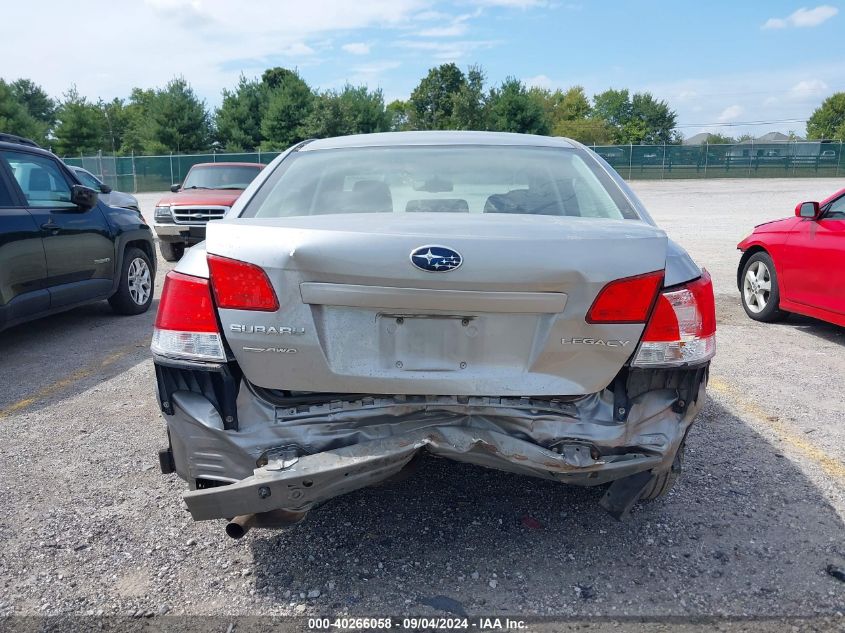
437, 205
540, 198
366, 196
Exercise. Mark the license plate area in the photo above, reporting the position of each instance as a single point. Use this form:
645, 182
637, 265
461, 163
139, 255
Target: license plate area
421, 342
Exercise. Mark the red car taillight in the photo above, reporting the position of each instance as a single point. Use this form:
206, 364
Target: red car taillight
626, 300
186, 324
682, 327
240, 285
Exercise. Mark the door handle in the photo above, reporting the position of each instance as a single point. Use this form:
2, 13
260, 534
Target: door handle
50, 226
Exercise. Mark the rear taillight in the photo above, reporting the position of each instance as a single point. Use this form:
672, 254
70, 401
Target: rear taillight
682, 327
626, 300
240, 285
186, 325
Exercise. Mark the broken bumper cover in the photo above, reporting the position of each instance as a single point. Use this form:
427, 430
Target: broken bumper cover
312, 479
359, 444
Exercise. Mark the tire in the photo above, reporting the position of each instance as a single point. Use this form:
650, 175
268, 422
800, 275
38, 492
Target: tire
663, 483
135, 292
171, 251
759, 289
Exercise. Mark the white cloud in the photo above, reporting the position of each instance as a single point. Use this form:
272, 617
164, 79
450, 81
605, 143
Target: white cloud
731, 113
424, 16
452, 30
808, 88
376, 68
296, 49
455, 25
539, 81
356, 48
234, 38
803, 18
452, 50
779, 99
515, 4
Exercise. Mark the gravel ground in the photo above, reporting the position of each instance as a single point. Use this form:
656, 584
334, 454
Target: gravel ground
92, 528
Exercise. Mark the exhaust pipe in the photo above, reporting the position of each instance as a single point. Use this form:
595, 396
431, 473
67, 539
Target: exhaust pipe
240, 525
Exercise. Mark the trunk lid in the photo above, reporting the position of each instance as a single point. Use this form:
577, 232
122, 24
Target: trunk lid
356, 316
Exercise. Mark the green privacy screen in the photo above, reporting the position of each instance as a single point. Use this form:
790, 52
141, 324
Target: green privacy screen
749, 159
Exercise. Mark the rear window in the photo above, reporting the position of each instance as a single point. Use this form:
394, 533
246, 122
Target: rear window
220, 177
456, 179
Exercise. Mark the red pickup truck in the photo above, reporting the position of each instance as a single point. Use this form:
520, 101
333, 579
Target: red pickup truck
209, 191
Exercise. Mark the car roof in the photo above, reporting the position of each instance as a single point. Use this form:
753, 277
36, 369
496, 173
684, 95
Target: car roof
18, 140
388, 139
221, 164
24, 147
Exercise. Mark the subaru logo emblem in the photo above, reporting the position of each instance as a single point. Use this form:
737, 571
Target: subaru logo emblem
436, 259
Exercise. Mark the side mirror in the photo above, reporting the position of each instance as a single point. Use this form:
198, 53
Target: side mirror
174, 188
809, 210
104, 188
83, 197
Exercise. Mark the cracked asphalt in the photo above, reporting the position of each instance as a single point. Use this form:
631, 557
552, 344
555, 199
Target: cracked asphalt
91, 528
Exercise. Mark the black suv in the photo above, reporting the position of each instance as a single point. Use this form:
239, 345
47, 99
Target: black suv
60, 247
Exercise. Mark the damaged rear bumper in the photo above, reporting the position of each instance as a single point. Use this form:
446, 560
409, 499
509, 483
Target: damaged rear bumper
294, 457
298, 484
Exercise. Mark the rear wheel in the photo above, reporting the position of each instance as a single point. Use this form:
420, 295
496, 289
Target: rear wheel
135, 292
171, 251
760, 291
663, 483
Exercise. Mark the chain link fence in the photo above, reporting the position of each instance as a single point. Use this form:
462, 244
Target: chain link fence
749, 159
138, 174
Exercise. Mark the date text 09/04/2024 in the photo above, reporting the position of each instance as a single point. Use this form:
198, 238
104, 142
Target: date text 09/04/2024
416, 623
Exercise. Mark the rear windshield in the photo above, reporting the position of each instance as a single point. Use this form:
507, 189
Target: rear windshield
222, 177
456, 179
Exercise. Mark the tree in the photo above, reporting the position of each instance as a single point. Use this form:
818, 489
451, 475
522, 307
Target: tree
571, 105
289, 106
640, 119
139, 135
32, 96
117, 121
353, 110
513, 109
828, 120
432, 102
397, 116
238, 120
568, 113
81, 126
468, 103
588, 131
181, 121
720, 139
15, 119
614, 107
656, 120
171, 119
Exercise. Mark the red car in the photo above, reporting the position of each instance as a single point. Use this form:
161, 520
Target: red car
797, 264
209, 191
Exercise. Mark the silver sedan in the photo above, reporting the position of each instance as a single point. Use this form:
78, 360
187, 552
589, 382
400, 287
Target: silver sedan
497, 299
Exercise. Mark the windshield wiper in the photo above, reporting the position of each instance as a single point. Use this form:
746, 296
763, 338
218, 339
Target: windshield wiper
196, 187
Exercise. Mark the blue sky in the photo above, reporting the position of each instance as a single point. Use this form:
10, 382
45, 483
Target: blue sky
715, 62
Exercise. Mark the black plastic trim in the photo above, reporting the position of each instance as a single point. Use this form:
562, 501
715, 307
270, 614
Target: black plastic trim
219, 383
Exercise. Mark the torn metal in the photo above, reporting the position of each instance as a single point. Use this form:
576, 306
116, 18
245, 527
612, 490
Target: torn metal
295, 457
